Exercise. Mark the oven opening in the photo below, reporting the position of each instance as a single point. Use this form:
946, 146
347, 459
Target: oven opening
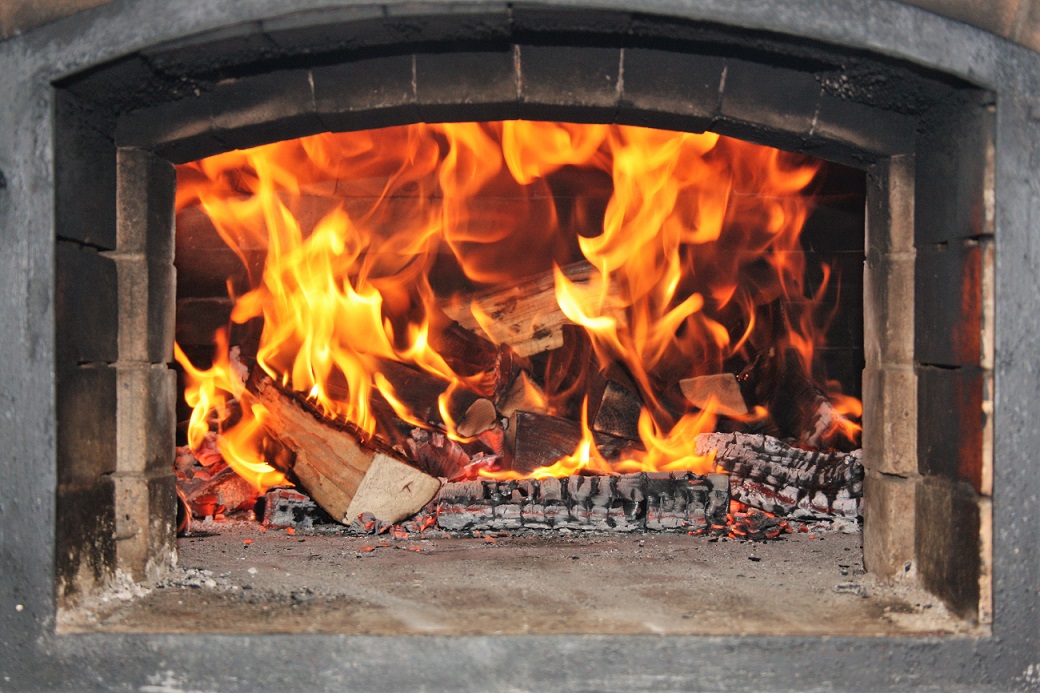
568, 370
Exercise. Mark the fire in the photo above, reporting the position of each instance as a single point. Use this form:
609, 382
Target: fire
366, 236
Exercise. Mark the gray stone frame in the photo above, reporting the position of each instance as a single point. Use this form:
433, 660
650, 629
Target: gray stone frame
43, 244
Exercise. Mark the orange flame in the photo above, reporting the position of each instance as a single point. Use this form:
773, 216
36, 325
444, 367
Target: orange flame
366, 234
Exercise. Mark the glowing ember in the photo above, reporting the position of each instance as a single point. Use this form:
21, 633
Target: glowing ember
692, 241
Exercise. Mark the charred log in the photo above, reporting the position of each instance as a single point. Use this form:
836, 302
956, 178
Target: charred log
630, 502
768, 474
539, 440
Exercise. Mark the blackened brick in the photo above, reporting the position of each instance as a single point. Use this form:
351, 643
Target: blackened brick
947, 543
325, 30
213, 52
84, 547
264, 108
949, 439
366, 93
537, 21
948, 305
475, 85
86, 306
771, 97
672, 90
179, 130
86, 399
865, 127
572, 83
84, 177
954, 153
456, 25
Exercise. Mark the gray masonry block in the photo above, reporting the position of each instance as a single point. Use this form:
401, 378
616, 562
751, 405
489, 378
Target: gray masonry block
145, 200
146, 417
145, 529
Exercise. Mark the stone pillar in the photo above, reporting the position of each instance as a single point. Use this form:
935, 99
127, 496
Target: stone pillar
889, 378
145, 486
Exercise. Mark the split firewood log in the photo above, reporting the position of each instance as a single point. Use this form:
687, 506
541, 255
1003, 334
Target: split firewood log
722, 387
526, 315
523, 394
343, 470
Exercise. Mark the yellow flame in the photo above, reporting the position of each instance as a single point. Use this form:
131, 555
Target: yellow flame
360, 233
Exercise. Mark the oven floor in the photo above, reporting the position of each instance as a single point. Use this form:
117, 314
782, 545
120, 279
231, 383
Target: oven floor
241, 580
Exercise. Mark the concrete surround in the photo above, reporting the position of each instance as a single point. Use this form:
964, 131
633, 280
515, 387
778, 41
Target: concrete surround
1003, 376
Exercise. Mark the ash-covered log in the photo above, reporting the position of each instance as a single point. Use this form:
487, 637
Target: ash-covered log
629, 502
768, 474
287, 507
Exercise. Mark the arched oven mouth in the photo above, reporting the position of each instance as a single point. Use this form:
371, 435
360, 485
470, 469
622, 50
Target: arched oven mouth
905, 210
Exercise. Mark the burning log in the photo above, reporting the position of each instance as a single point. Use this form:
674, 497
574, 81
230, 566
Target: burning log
567, 372
615, 405
766, 473
526, 316
523, 394
422, 394
344, 471
437, 454
723, 387
800, 407
488, 368
539, 440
